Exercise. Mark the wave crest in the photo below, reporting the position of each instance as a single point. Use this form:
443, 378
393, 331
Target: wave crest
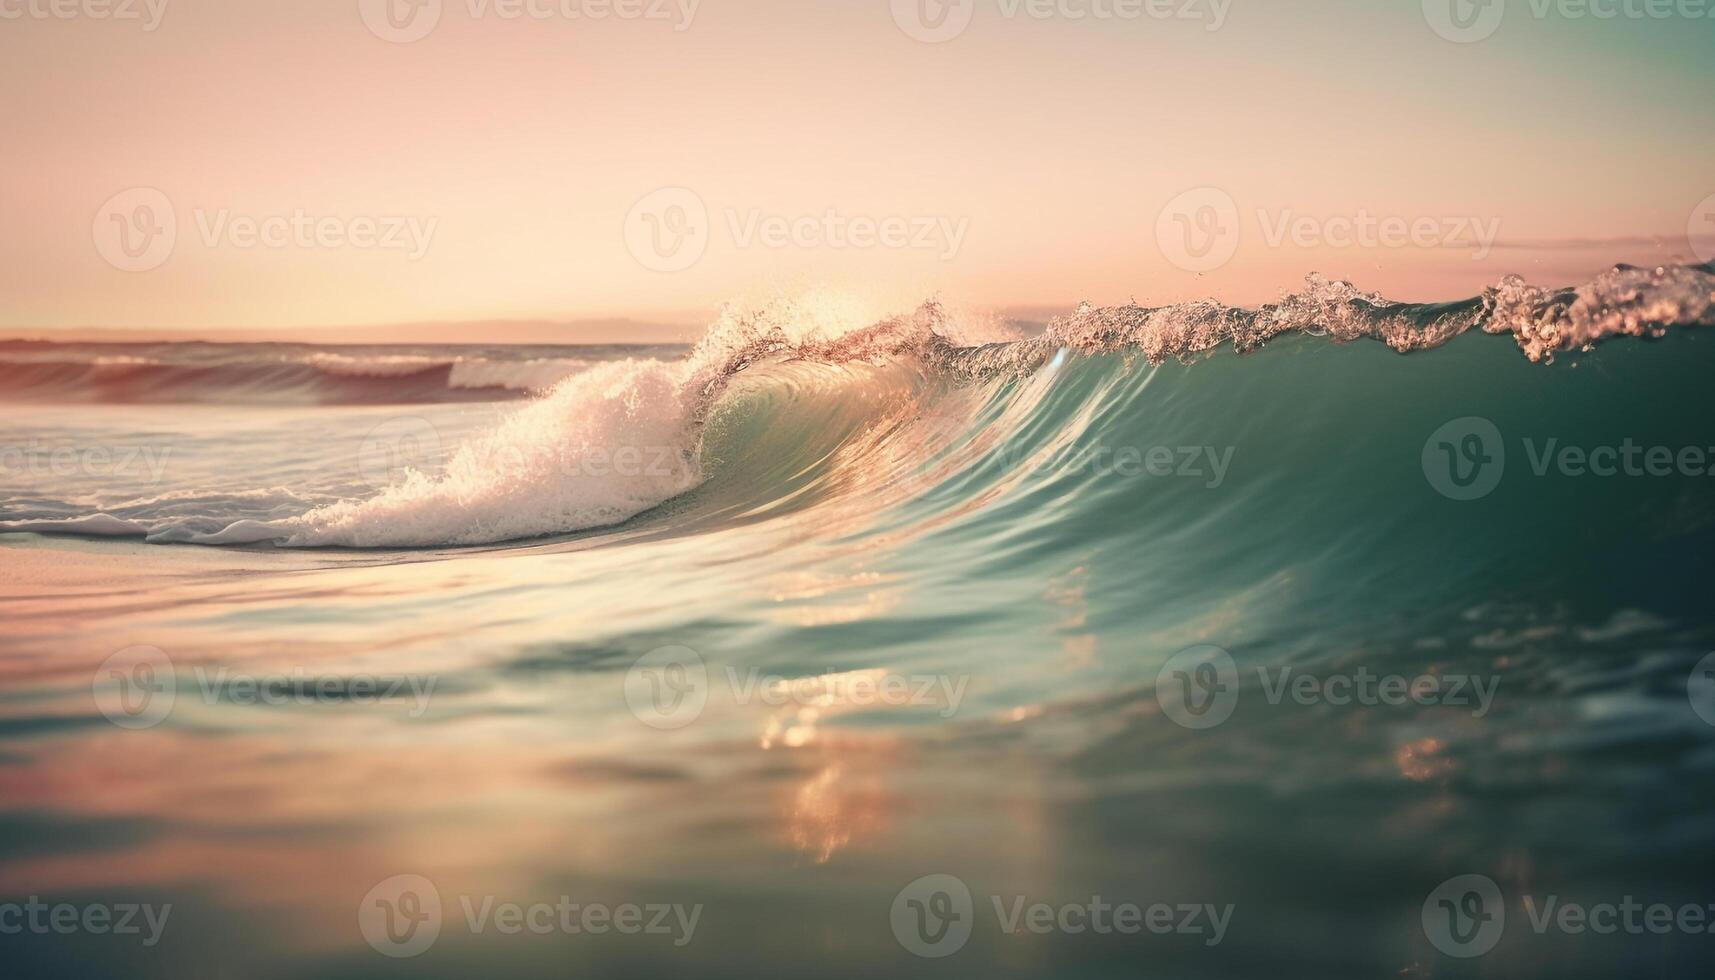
1625, 301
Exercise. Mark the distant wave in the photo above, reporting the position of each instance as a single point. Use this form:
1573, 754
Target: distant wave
237, 376
886, 394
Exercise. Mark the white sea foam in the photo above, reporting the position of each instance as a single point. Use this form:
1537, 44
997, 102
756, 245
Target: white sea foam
601, 447
375, 365
539, 374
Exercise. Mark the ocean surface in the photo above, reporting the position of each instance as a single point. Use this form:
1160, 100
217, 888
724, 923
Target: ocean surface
834, 649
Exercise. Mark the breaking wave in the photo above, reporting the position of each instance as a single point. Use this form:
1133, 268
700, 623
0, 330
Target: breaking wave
784, 406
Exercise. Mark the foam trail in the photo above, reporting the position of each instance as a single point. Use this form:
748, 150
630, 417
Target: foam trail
601, 447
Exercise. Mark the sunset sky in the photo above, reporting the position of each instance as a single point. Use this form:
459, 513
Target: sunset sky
504, 168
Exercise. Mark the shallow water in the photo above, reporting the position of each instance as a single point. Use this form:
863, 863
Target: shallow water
996, 578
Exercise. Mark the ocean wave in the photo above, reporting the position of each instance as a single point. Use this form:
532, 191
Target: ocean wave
321, 378
553, 468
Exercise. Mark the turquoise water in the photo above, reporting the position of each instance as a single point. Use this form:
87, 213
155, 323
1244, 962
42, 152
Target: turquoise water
1265, 639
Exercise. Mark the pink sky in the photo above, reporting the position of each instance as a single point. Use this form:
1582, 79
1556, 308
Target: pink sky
1025, 162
